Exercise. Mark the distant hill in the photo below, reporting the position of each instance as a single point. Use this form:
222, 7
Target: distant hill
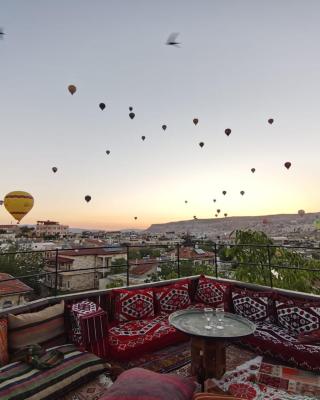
276, 225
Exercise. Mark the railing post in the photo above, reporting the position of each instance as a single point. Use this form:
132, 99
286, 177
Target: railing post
128, 266
215, 259
56, 274
269, 266
178, 259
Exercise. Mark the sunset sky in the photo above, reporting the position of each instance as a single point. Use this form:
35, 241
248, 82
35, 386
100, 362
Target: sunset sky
240, 63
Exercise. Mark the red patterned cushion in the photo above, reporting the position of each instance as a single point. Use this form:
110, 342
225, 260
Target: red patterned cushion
256, 306
131, 305
4, 357
275, 341
173, 297
139, 383
298, 316
128, 339
213, 293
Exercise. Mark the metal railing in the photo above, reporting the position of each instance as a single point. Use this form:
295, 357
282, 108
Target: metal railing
174, 259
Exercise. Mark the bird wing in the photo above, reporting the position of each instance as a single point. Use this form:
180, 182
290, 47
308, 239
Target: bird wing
172, 37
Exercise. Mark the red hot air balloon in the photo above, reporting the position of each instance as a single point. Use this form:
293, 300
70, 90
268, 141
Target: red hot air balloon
287, 164
227, 131
102, 106
87, 198
253, 170
201, 144
132, 115
143, 137
164, 127
270, 121
195, 121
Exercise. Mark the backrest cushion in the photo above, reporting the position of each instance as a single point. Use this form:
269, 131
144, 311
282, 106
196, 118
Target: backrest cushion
134, 304
213, 293
4, 357
256, 306
139, 383
45, 327
298, 316
172, 297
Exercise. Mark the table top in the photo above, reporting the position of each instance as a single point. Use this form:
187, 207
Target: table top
193, 323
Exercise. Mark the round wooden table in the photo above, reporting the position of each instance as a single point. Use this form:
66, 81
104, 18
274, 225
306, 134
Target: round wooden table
208, 346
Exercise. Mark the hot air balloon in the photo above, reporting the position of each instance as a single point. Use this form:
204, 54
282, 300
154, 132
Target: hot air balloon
195, 121
164, 127
227, 131
87, 198
18, 204
135, 217
218, 210
194, 217
242, 192
102, 106
216, 215
54, 169
201, 144
72, 89
270, 121
253, 170
132, 115
287, 164
214, 200
108, 151
186, 201
225, 214
224, 192
130, 108
301, 213
143, 137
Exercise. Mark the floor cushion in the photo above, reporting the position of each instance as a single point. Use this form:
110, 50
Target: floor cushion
45, 327
172, 297
128, 339
213, 293
270, 339
20, 381
298, 316
141, 384
256, 306
133, 304
4, 357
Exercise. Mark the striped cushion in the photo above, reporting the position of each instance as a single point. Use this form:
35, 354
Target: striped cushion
4, 357
45, 327
20, 381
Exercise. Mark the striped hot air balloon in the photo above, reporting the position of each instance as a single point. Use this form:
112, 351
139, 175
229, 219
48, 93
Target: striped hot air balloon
18, 204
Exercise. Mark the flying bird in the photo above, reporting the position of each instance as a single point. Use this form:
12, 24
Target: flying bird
1, 33
171, 41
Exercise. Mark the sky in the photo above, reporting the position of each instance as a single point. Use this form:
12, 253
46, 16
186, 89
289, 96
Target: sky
239, 64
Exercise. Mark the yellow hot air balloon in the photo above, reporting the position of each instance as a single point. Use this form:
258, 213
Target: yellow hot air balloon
18, 204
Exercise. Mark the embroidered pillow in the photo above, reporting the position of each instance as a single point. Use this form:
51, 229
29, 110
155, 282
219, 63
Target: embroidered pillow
4, 357
298, 316
45, 327
173, 297
139, 383
256, 306
213, 293
133, 305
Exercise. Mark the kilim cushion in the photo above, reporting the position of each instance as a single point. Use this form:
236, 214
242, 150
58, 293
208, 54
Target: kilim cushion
133, 304
139, 383
298, 316
213, 293
172, 298
256, 306
45, 327
21, 381
4, 357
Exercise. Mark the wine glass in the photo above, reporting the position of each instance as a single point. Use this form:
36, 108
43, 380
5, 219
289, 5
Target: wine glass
208, 313
220, 317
